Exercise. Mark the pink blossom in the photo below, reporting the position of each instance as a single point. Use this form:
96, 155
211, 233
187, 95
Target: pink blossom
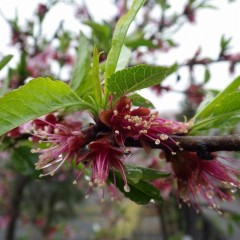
39, 64
103, 158
158, 89
65, 144
203, 179
195, 94
42, 10
141, 125
190, 13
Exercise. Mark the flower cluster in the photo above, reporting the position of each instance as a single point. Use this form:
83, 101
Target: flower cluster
63, 144
199, 179
103, 157
140, 124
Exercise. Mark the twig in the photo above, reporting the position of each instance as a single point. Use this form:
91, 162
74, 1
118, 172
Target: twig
200, 143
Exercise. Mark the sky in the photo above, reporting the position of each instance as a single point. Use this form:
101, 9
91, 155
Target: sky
209, 27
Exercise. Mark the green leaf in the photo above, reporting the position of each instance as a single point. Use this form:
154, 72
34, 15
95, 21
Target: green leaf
86, 86
119, 37
22, 161
210, 108
136, 39
38, 97
141, 173
5, 61
140, 101
97, 90
227, 108
133, 174
224, 43
131, 43
22, 66
101, 31
5, 143
210, 94
209, 6
228, 103
141, 192
135, 78
207, 75
164, 4
123, 58
81, 67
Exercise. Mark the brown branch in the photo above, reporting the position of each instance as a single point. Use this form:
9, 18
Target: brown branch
205, 62
209, 143
188, 143
199, 143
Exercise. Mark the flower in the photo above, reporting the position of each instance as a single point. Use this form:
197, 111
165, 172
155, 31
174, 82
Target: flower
39, 64
189, 11
195, 94
64, 145
141, 125
42, 10
158, 89
198, 178
103, 157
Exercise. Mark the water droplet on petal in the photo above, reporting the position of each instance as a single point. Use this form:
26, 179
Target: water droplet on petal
209, 194
233, 184
233, 190
126, 188
87, 178
127, 152
219, 212
90, 183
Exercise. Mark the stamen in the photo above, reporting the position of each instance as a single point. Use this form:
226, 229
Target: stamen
90, 183
126, 188
54, 170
